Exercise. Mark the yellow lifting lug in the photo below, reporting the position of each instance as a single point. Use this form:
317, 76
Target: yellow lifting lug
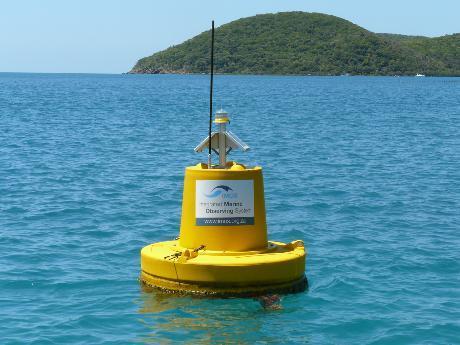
189, 254
294, 244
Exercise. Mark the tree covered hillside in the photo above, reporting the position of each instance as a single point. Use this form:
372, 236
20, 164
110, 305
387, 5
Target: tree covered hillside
306, 43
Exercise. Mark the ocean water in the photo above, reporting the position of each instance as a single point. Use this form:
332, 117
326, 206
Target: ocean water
365, 170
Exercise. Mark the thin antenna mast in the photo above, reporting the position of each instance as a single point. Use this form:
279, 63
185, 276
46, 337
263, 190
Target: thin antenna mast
210, 94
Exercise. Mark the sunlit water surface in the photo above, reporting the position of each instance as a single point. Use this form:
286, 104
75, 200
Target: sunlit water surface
365, 170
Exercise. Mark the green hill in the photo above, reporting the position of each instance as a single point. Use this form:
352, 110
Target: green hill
445, 49
306, 43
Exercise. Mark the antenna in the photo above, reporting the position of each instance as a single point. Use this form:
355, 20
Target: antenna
210, 94
226, 140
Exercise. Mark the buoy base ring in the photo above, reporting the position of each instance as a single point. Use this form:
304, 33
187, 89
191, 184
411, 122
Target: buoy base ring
279, 268
182, 288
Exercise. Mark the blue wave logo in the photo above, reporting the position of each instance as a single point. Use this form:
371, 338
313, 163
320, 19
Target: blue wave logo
217, 191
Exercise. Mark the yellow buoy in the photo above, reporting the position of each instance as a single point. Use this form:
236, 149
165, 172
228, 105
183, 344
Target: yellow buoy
223, 248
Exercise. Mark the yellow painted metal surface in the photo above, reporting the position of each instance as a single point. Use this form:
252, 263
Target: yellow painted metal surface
221, 120
237, 238
169, 266
233, 259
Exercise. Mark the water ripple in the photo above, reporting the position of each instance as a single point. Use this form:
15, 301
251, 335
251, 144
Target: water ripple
364, 170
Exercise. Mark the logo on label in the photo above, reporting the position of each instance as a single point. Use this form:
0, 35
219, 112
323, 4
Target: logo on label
218, 190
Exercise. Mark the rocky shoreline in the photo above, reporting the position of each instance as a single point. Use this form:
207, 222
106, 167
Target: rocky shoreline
158, 71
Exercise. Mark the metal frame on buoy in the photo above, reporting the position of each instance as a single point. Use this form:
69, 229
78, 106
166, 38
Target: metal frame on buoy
222, 141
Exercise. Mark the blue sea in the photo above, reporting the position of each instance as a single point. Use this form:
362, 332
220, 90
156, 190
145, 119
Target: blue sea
364, 170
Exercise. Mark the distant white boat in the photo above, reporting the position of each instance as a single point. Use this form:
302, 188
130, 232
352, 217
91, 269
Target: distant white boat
419, 75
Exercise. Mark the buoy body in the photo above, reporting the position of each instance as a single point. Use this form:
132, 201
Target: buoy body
223, 209
223, 248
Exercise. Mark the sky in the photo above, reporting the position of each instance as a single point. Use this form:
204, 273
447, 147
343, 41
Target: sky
109, 36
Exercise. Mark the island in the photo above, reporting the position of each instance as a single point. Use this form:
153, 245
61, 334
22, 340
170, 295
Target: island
301, 43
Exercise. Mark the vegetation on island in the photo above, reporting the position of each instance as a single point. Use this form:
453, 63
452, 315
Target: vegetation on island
300, 43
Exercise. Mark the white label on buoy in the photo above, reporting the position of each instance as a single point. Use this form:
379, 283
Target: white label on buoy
224, 202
